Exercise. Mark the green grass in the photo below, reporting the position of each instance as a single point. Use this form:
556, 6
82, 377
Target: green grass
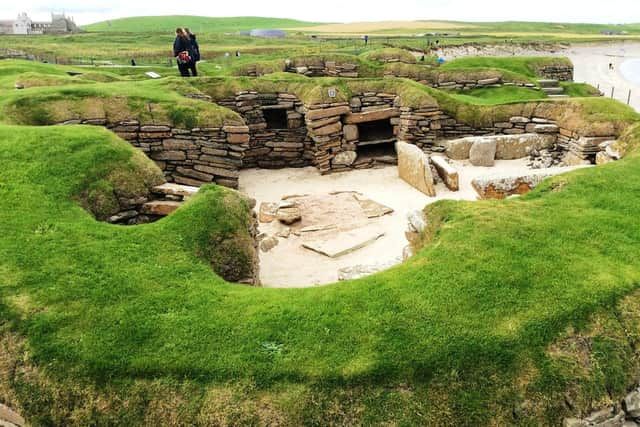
501, 95
197, 24
527, 66
516, 274
102, 324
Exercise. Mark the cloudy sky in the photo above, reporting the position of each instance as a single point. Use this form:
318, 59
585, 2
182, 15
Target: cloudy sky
87, 11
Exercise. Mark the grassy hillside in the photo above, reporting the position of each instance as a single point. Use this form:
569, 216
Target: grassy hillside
136, 310
197, 24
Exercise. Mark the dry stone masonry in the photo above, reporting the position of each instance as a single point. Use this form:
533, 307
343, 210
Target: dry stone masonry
626, 414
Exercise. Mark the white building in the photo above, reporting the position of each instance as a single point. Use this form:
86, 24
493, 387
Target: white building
23, 25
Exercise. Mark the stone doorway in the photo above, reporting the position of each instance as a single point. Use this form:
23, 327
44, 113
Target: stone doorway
376, 142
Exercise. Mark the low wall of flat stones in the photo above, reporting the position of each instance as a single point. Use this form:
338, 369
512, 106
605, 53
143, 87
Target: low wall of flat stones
186, 156
273, 148
563, 73
324, 69
465, 84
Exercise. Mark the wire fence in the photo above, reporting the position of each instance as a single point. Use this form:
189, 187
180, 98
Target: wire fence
622, 94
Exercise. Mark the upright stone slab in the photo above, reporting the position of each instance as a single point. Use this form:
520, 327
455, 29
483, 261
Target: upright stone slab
483, 153
448, 173
413, 168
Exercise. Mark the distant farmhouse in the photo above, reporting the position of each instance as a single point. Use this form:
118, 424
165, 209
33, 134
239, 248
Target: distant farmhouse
23, 25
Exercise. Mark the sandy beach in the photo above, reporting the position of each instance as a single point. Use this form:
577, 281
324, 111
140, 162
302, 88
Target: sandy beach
591, 64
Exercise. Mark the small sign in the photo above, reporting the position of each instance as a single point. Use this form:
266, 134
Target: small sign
153, 75
333, 92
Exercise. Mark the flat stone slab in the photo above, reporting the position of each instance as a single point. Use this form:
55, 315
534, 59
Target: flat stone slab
160, 207
372, 208
359, 271
414, 168
447, 173
370, 116
174, 189
345, 242
268, 212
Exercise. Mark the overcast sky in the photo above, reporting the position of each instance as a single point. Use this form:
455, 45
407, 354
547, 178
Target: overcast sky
88, 11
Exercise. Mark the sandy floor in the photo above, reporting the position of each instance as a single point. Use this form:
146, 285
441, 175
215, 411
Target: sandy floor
290, 265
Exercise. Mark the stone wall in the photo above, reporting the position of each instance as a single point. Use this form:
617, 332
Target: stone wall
557, 72
187, 156
323, 135
464, 84
323, 69
288, 146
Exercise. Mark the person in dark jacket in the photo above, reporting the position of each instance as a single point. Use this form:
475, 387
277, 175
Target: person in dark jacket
195, 52
182, 51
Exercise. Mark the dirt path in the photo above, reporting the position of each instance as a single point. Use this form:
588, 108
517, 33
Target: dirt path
290, 265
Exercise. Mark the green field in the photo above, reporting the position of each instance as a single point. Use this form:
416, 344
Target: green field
197, 24
148, 40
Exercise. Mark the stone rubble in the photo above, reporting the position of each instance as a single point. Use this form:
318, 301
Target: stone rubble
627, 414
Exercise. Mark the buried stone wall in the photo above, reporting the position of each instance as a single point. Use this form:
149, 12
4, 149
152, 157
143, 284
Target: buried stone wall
277, 132
186, 156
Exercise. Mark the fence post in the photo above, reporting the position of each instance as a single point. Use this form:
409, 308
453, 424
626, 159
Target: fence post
629, 98
612, 91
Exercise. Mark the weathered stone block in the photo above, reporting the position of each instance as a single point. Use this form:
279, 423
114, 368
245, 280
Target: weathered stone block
370, 116
448, 173
328, 130
351, 132
345, 158
169, 155
327, 112
413, 167
160, 207
238, 138
179, 144
483, 152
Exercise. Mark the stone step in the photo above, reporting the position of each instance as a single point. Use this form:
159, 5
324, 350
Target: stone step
160, 207
548, 83
553, 90
558, 96
173, 189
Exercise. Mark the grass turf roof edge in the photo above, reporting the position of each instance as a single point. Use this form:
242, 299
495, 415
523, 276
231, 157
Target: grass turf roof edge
126, 100
150, 102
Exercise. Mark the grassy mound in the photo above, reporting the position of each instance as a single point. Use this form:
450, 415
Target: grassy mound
522, 65
138, 308
390, 55
149, 102
500, 95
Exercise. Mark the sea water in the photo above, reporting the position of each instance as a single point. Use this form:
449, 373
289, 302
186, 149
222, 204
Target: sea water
631, 70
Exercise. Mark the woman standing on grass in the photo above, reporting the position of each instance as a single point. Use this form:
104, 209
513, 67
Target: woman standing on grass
195, 52
182, 51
